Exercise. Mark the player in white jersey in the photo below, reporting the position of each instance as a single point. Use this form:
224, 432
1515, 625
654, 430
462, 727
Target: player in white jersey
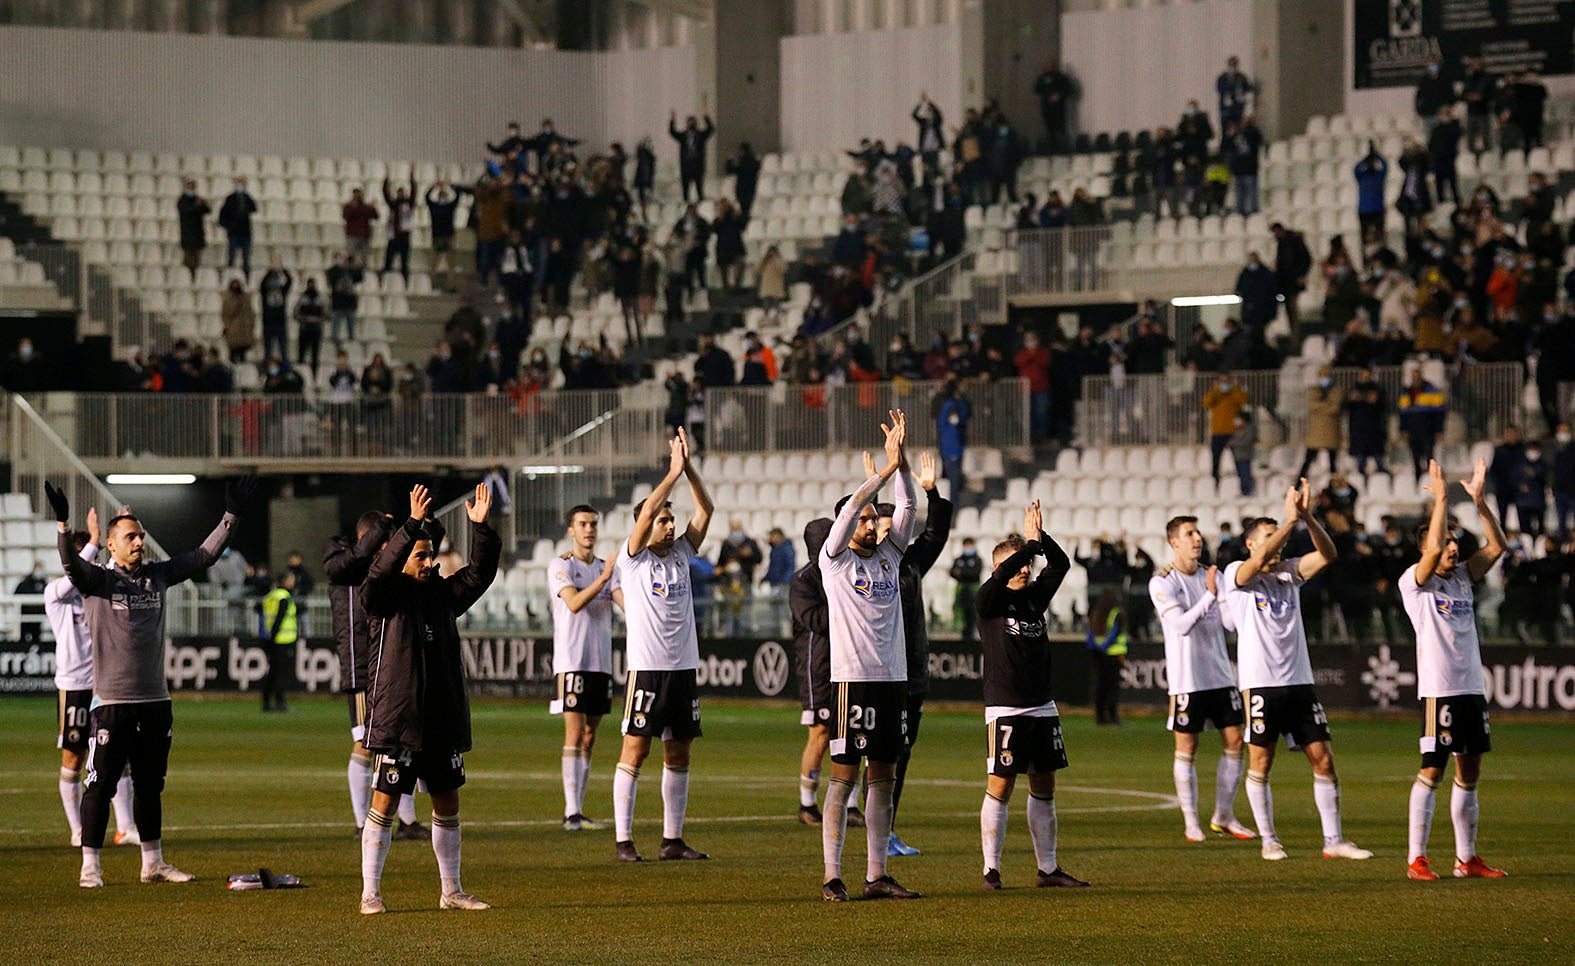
869, 666
1202, 683
1262, 596
74, 693
584, 590
1438, 597
661, 700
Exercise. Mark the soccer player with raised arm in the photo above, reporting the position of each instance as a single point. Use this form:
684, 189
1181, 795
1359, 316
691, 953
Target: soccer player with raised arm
584, 590
1022, 724
131, 720
74, 688
662, 698
1262, 596
1202, 684
418, 715
1438, 597
869, 667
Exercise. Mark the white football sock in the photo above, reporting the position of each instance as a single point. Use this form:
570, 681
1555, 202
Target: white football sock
445, 844
1227, 780
571, 781
1463, 810
625, 781
407, 809
1423, 795
1042, 829
1326, 795
376, 837
152, 855
124, 819
71, 800
992, 830
877, 825
359, 777
1186, 775
675, 800
582, 780
90, 861
809, 789
1262, 802
834, 826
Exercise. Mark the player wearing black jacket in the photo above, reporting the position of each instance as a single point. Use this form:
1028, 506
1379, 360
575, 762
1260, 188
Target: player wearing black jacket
916, 562
812, 653
1022, 722
418, 716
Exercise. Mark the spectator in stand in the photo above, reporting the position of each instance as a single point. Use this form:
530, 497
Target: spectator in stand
1422, 407
932, 133
1443, 147
1237, 348
675, 262
1562, 479
1292, 262
1367, 422
310, 314
341, 382
1433, 92
644, 174
728, 226
1056, 90
1505, 472
1324, 403
1215, 193
902, 360
1531, 492
442, 202
1147, 348
344, 280
358, 216
677, 388
856, 193
280, 379
1370, 173
697, 231
235, 217
1167, 187
511, 332
1194, 135
952, 413
968, 154
1529, 98
192, 210
1479, 91
377, 382
546, 143
1233, 87
401, 219
1243, 448
489, 371
490, 218
1243, 149
1002, 157
771, 280
443, 370
512, 144
745, 169
625, 260
966, 570
760, 363
1203, 352
780, 563
691, 151
1344, 292
1033, 365
1257, 288
238, 319
516, 274
714, 366
1224, 401
1416, 201
274, 290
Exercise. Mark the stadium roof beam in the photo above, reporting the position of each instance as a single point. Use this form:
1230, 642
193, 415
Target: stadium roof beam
693, 9
307, 11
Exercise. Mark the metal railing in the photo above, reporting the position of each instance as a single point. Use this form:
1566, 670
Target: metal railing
1071, 260
796, 417
1167, 409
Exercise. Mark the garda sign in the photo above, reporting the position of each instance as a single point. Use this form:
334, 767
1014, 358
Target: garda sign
1395, 39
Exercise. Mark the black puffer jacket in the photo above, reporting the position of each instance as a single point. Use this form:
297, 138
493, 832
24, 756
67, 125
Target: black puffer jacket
811, 620
417, 699
917, 560
346, 563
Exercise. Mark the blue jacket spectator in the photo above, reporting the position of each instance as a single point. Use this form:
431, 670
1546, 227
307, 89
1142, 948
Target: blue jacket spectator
783, 561
951, 434
1370, 174
1422, 409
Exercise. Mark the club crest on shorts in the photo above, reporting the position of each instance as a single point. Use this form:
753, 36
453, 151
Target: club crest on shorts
570, 701
393, 776
74, 735
103, 736
1445, 739
1006, 759
824, 713
1182, 719
859, 742
639, 721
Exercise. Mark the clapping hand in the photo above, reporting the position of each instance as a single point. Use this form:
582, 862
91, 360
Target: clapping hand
869, 465
896, 435
1211, 580
1475, 486
92, 526
1436, 485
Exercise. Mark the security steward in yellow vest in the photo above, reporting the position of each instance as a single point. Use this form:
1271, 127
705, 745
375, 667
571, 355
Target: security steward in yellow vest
280, 632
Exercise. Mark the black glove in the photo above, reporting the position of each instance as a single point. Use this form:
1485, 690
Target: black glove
239, 493
58, 502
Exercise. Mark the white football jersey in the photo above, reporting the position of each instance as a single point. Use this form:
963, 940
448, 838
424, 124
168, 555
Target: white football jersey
1271, 643
659, 611
1195, 658
864, 604
1448, 651
73, 643
583, 641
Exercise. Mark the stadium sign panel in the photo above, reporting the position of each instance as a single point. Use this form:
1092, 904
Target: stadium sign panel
1394, 39
1351, 677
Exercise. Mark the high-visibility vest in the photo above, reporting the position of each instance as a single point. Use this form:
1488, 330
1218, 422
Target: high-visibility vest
279, 597
1114, 640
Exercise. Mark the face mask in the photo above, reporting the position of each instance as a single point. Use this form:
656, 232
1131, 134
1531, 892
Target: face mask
1030, 343
969, 552
1343, 491
1433, 69
585, 353
1564, 437
973, 337
1325, 383
896, 347
1533, 454
494, 356
26, 352
1378, 273
444, 355
273, 370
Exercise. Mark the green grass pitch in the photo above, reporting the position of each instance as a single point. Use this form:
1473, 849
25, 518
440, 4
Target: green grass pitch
248, 790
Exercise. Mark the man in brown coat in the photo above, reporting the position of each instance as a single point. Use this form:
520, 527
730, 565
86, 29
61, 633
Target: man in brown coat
239, 320
1324, 402
491, 222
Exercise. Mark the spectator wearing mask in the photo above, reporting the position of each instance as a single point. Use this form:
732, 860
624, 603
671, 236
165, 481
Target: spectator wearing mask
1422, 408
1324, 402
1243, 448
1257, 288
1433, 92
1343, 295
341, 382
192, 210
691, 152
1292, 262
310, 314
1416, 201
1233, 88
1479, 91
442, 200
771, 279
1055, 90
239, 320
358, 215
401, 219
781, 563
1166, 185
1367, 423
1224, 401
952, 413
1504, 472
713, 366
274, 290
235, 217
728, 226
344, 280
1443, 147
1370, 174
1243, 149
966, 571
1531, 492
760, 363
1032, 362
697, 232
745, 169
1563, 478
932, 135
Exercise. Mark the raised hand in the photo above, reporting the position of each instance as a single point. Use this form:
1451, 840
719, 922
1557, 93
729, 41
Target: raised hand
1477, 485
478, 508
238, 494
1304, 498
420, 502
676, 457
1211, 580
869, 465
927, 470
896, 435
92, 526
683, 438
57, 502
1436, 485
1293, 503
